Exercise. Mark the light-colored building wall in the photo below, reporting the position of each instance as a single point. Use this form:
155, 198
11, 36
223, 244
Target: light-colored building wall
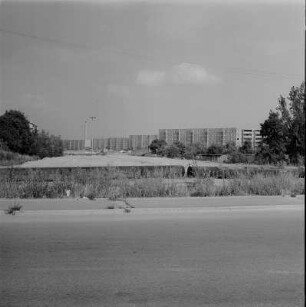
214, 137
232, 135
141, 141
186, 136
200, 136
169, 135
118, 143
73, 145
251, 135
205, 136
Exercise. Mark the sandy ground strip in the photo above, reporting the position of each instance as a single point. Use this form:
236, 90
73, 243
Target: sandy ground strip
147, 203
116, 159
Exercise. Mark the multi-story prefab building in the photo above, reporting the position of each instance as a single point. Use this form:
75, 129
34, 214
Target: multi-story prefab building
171, 136
251, 135
118, 143
73, 145
214, 136
205, 136
257, 138
200, 135
186, 136
232, 135
141, 141
99, 144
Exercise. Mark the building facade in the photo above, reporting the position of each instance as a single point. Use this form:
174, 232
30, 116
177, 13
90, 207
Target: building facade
205, 136
117, 143
251, 135
142, 141
73, 145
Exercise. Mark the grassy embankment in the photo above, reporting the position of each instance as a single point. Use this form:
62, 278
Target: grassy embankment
113, 183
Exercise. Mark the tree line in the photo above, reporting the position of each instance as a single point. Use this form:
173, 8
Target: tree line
195, 150
283, 137
18, 135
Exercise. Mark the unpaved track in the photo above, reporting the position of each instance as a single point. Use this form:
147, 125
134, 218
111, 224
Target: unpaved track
230, 255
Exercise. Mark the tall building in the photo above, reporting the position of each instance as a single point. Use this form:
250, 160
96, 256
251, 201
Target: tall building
118, 143
186, 136
73, 145
200, 136
99, 144
232, 135
206, 136
214, 137
169, 135
251, 135
141, 141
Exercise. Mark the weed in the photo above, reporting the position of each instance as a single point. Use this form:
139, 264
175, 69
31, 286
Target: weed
13, 208
127, 209
91, 196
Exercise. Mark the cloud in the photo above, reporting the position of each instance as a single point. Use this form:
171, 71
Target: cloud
150, 77
186, 73
183, 73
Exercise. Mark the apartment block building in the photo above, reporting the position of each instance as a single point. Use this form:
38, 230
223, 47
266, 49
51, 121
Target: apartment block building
251, 135
171, 136
200, 136
142, 141
206, 136
73, 145
117, 143
99, 144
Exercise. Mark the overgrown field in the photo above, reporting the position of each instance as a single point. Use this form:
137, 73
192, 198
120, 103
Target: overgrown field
114, 183
9, 158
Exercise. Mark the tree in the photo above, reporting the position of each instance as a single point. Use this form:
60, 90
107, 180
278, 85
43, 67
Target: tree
246, 148
283, 132
214, 150
157, 145
19, 135
230, 148
46, 145
194, 149
181, 148
15, 132
293, 121
273, 147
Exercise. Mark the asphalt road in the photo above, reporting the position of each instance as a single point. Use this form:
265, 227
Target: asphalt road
231, 256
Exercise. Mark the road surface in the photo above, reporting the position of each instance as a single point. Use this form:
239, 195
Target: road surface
156, 255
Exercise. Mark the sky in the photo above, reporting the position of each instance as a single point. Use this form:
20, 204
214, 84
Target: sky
139, 66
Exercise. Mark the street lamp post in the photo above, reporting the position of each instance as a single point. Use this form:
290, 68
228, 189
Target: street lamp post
85, 134
92, 118
92, 139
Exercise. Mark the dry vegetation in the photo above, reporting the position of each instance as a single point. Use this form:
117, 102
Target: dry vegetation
114, 183
9, 158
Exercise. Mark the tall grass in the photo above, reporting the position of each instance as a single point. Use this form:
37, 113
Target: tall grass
113, 183
281, 184
9, 158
